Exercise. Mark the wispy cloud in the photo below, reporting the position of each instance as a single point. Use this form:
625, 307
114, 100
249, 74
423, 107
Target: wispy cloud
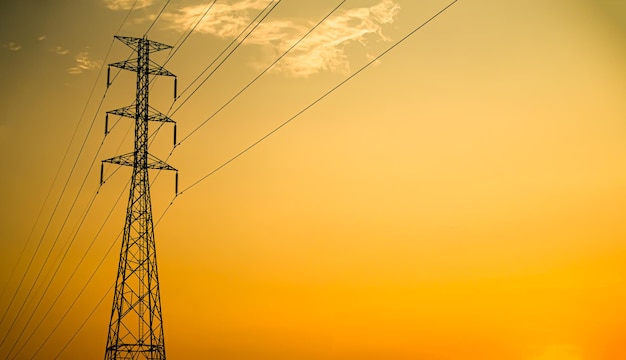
83, 63
116, 5
322, 50
224, 20
12, 46
41, 38
325, 49
59, 50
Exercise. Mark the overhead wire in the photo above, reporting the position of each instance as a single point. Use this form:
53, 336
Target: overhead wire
43, 236
238, 42
188, 32
49, 283
236, 46
74, 272
157, 17
29, 266
235, 40
82, 324
95, 270
287, 122
49, 253
59, 262
180, 42
374, 60
63, 159
262, 72
64, 223
368, 64
265, 12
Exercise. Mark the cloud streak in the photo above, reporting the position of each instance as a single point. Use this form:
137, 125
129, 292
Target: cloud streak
322, 50
59, 50
13, 46
83, 63
117, 5
325, 49
223, 21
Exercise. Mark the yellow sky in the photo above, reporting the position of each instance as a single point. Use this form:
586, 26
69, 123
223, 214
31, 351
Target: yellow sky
461, 199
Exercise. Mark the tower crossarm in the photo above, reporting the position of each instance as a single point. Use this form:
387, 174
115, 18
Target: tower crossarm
129, 112
128, 160
133, 43
131, 65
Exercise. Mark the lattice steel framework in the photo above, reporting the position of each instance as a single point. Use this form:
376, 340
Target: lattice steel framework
136, 323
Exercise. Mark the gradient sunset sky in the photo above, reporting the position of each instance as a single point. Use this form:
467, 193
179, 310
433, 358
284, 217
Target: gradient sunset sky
463, 198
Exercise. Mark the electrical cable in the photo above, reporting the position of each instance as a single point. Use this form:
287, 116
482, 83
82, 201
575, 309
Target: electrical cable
83, 323
229, 54
94, 271
40, 243
262, 72
56, 271
284, 124
52, 216
156, 18
184, 38
47, 257
93, 240
169, 112
374, 60
60, 262
81, 117
255, 79
49, 283
28, 268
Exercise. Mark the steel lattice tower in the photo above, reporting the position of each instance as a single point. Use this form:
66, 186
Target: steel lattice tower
136, 324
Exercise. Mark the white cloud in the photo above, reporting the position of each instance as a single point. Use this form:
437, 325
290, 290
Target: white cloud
322, 50
41, 38
325, 48
223, 20
12, 46
116, 5
83, 63
59, 50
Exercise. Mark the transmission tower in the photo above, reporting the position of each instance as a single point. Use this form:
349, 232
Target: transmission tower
136, 324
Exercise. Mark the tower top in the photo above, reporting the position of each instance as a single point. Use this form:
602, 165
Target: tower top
133, 43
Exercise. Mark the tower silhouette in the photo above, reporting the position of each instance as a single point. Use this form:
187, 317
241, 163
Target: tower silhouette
136, 323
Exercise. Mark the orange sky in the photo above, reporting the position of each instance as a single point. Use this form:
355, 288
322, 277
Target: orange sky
461, 199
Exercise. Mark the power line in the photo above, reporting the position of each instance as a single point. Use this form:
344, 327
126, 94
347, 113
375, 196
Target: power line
56, 176
82, 324
76, 231
263, 72
59, 263
157, 17
253, 80
64, 223
43, 236
47, 257
60, 321
185, 37
28, 268
321, 97
169, 112
49, 283
67, 150
54, 212
229, 54
282, 125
